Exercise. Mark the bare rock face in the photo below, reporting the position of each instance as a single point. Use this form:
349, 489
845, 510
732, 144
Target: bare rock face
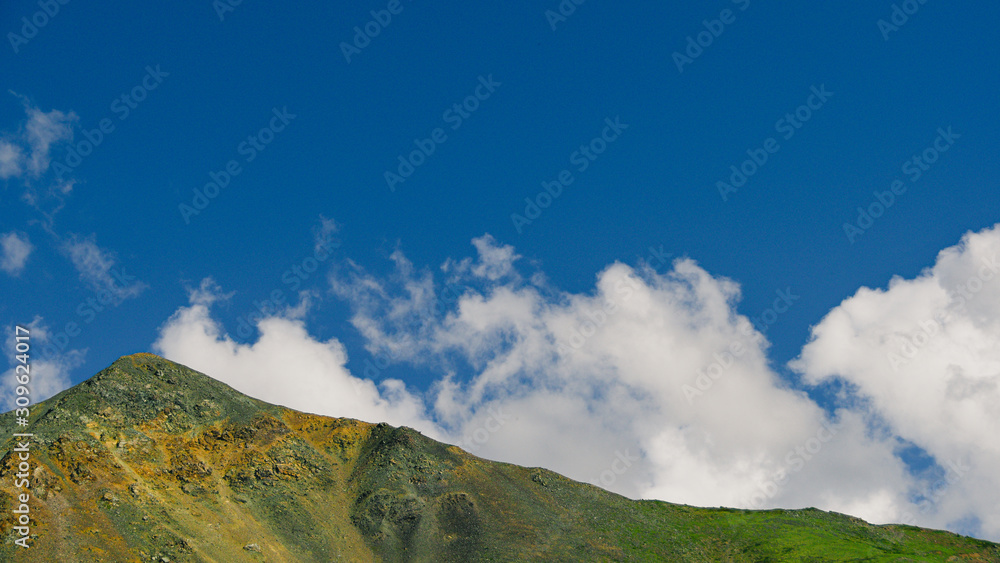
152, 461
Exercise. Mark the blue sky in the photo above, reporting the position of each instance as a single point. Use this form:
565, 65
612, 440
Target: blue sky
839, 99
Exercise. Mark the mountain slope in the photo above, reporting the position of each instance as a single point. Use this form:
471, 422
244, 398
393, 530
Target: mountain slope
152, 461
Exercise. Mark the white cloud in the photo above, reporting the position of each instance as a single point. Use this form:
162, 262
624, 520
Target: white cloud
597, 385
11, 160
96, 267
593, 385
49, 366
323, 238
28, 150
26, 155
398, 318
15, 248
285, 365
42, 131
494, 261
925, 353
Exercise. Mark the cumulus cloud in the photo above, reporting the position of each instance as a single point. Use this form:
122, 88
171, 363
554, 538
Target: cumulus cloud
97, 268
925, 354
15, 249
285, 365
652, 384
49, 372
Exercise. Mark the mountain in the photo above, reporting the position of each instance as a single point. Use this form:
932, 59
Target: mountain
152, 461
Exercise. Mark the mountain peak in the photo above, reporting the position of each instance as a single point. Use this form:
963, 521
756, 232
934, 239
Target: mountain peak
142, 358
143, 387
143, 364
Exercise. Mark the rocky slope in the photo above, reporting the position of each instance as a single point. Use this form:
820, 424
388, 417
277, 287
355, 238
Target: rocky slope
152, 461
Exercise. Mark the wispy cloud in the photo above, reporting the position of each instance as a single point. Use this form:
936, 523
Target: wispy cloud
495, 261
15, 249
97, 268
43, 130
11, 160
28, 151
323, 236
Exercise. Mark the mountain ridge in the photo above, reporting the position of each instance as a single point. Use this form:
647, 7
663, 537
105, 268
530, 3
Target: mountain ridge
149, 460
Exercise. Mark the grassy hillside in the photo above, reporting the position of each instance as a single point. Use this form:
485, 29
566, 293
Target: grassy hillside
151, 461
